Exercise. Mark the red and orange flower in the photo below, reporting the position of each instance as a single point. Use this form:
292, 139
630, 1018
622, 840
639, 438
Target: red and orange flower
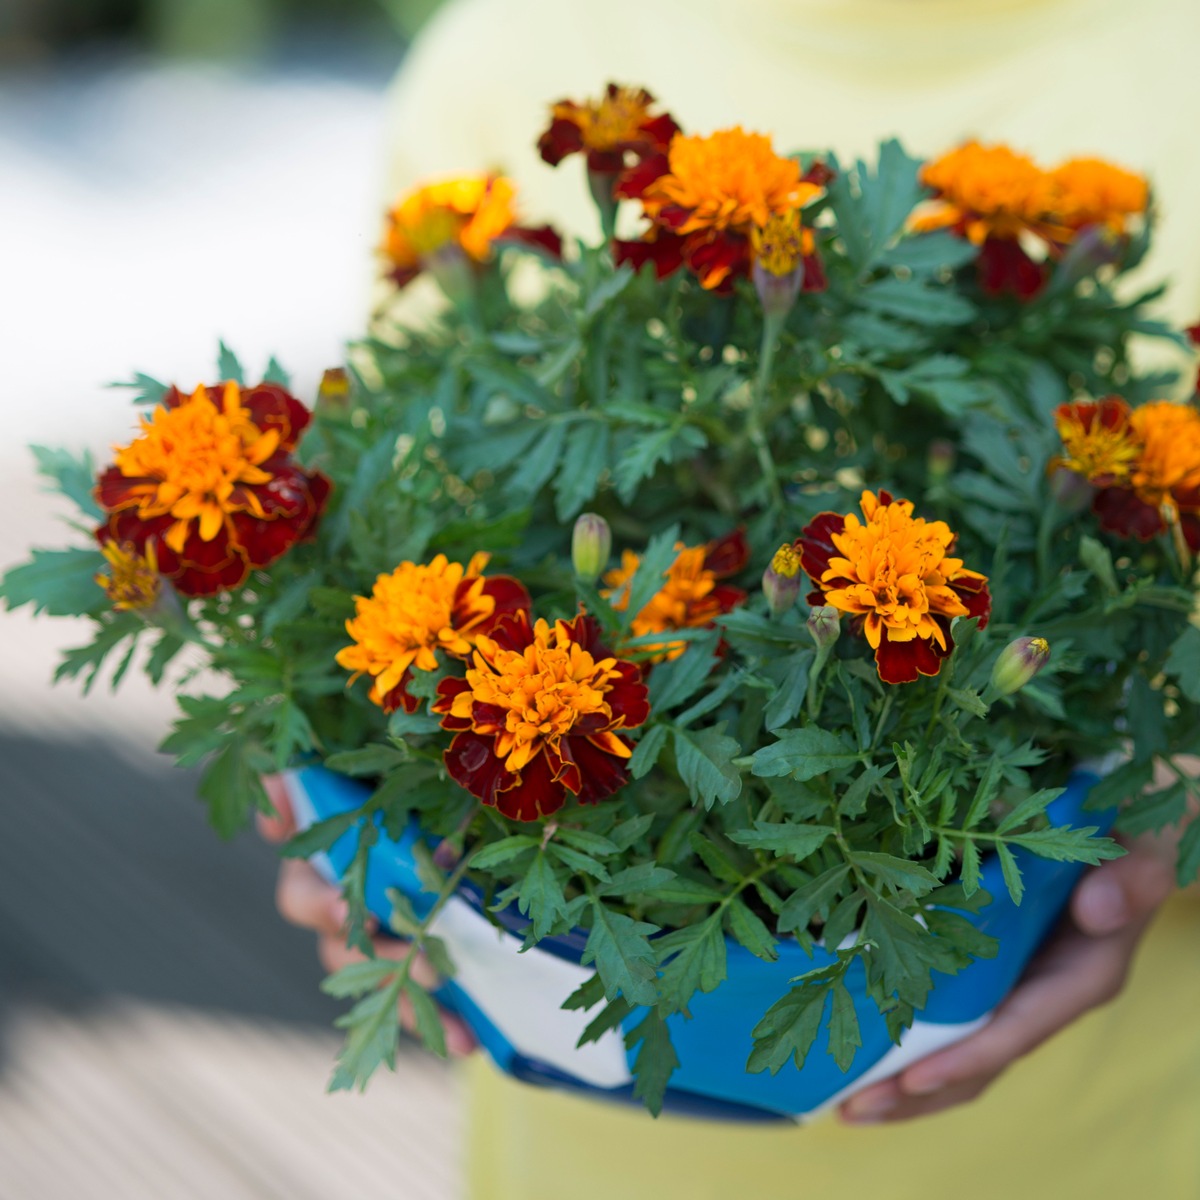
894, 574
611, 131
706, 200
692, 595
1144, 464
418, 611
540, 714
466, 218
209, 487
1003, 202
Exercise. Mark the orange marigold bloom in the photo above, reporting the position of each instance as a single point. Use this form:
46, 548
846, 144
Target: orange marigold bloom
211, 485
1090, 191
607, 130
692, 596
706, 199
539, 715
417, 611
1144, 463
469, 216
132, 582
895, 575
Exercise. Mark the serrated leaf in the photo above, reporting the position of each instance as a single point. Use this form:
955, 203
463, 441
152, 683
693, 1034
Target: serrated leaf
637, 880
1031, 806
373, 759
1096, 557
656, 1060
646, 752
1183, 663
916, 301
1187, 864
970, 867
1012, 873
60, 583
750, 930
804, 754
319, 837
853, 801
578, 861
503, 851
671, 683
232, 789
704, 761
540, 896
898, 873
228, 366
583, 462
275, 373
358, 977
427, 1019
812, 898
788, 1029
623, 956
74, 477
844, 1035
1066, 844
694, 959
372, 1035
793, 840
789, 698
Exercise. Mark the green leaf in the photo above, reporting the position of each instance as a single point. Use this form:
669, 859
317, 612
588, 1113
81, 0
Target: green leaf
1012, 873
372, 759
1187, 865
61, 583
656, 1061
1095, 557
639, 460
789, 698
646, 752
804, 754
73, 477
970, 867
1183, 663
540, 896
795, 841
427, 1019
673, 682
232, 788
652, 568
624, 958
694, 959
1069, 845
583, 462
812, 898
853, 802
1031, 806
898, 873
749, 929
503, 851
704, 760
788, 1029
323, 834
372, 1035
913, 300
228, 366
275, 373
930, 253
147, 389
359, 977
578, 861
537, 467
844, 1035
637, 880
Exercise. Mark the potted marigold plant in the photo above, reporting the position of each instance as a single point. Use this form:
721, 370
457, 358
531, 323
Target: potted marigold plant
722, 664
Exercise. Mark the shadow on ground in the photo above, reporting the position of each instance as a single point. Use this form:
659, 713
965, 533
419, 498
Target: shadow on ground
112, 885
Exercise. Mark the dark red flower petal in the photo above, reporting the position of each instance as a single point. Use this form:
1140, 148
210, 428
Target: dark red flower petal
534, 794
563, 137
819, 173
665, 251
510, 597
726, 598
513, 631
114, 490
1004, 267
401, 697
264, 541
727, 555
628, 698
542, 238
1190, 524
659, 130
636, 179
447, 690
472, 763
815, 544
975, 595
815, 279
1120, 511
563, 767
193, 581
273, 407
602, 773
904, 662
722, 258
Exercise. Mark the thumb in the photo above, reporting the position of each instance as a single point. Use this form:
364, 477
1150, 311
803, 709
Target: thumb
1124, 890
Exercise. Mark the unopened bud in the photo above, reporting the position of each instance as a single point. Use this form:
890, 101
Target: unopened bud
778, 249
823, 624
1018, 663
591, 544
940, 460
334, 391
1070, 490
781, 580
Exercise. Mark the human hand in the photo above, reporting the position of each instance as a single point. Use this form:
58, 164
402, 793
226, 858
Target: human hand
305, 899
1083, 966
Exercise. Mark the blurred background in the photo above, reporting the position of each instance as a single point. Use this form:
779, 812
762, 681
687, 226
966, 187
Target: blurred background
171, 172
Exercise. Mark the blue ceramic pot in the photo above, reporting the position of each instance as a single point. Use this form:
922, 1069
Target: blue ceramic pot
512, 1001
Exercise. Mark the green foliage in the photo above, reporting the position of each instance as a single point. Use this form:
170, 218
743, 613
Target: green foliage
777, 791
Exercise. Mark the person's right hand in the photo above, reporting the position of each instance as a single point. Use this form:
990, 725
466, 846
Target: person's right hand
305, 899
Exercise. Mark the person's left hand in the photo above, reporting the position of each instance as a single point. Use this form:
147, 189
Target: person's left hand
1083, 966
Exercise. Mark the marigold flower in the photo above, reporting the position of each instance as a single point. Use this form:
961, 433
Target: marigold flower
210, 484
132, 582
417, 611
692, 595
1090, 191
469, 216
607, 130
894, 574
1144, 463
539, 715
705, 200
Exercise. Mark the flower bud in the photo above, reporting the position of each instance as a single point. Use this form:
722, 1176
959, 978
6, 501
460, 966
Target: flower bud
781, 580
334, 392
779, 248
1070, 490
591, 544
823, 624
1018, 663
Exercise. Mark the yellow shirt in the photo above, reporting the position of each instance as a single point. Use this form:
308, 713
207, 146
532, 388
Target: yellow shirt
1113, 1104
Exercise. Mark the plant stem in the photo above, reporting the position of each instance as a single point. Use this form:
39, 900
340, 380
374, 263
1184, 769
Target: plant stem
772, 327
